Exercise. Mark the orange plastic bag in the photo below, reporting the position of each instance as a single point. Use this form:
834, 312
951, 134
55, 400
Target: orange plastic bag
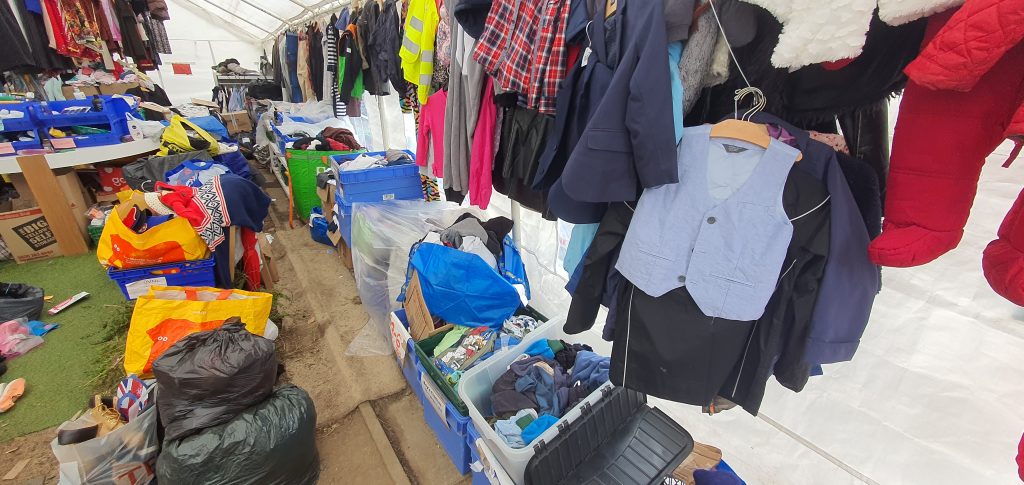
169, 313
170, 242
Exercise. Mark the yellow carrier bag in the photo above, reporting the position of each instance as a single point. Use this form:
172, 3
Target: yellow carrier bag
170, 242
169, 313
176, 139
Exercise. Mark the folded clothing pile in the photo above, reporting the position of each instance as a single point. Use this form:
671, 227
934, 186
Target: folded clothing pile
463, 347
330, 139
550, 378
389, 159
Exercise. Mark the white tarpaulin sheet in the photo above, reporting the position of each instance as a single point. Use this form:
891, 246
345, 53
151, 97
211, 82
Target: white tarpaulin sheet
932, 396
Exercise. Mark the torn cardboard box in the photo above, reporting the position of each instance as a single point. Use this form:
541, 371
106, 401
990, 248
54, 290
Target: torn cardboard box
28, 235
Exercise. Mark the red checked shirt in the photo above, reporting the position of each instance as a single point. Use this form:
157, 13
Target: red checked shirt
550, 57
506, 45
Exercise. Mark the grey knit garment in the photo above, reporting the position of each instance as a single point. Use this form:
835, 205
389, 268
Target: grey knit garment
695, 64
465, 88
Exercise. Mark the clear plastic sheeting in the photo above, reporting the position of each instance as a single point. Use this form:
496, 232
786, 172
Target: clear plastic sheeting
312, 118
542, 246
382, 234
932, 396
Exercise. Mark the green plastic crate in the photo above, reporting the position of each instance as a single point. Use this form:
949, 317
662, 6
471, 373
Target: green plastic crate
303, 167
425, 348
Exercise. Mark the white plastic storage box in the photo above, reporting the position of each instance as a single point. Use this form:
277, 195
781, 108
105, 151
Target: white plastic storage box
475, 390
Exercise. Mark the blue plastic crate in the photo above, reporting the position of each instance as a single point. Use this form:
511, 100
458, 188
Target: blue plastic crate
479, 478
345, 226
282, 139
377, 184
17, 124
413, 190
412, 375
25, 123
112, 116
26, 145
185, 273
450, 429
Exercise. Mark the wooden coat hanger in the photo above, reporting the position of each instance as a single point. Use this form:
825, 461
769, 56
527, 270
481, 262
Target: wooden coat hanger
740, 127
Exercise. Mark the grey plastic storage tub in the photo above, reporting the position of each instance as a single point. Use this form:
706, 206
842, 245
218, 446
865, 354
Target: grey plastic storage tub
475, 391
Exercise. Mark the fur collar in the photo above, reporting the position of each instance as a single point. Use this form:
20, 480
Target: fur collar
816, 31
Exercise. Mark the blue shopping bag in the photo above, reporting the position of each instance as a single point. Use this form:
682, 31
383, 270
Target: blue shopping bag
461, 288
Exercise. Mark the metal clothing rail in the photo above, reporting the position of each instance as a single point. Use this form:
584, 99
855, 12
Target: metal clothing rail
309, 13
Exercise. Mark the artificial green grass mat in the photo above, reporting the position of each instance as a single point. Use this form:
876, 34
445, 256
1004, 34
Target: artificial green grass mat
62, 373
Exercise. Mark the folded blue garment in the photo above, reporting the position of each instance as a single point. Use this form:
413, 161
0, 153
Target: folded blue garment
540, 348
590, 370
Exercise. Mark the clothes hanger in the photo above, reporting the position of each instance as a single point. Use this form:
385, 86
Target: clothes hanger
610, 7
740, 127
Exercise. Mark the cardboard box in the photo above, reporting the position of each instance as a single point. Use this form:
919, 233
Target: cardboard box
326, 196
69, 91
28, 235
421, 323
75, 196
205, 103
237, 122
117, 88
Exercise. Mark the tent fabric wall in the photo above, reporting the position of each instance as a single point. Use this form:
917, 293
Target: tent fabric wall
201, 38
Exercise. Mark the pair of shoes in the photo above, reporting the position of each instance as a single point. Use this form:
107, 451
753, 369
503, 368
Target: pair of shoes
105, 414
10, 392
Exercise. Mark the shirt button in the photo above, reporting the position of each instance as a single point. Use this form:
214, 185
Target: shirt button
712, 220
682, 279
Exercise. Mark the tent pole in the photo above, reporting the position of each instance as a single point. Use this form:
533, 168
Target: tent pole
516, 217
383, 123
212, 55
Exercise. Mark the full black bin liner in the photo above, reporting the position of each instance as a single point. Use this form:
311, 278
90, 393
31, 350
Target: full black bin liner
20, 301
207, 378
271, 443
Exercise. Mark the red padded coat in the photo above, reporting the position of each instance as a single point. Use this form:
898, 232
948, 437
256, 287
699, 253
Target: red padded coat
965, 95
975, 38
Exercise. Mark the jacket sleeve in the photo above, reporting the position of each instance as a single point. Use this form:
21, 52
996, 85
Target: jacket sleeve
423, 139
650, 117
969, 44
791, 369
850, 282
599, 260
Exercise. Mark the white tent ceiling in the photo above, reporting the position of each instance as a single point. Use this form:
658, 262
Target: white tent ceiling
261, 20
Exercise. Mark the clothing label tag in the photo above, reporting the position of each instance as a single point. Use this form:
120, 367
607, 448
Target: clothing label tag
434, 397
733, 148
63, 143
388, 197
6, 148
399, 337
586, 56
138, 288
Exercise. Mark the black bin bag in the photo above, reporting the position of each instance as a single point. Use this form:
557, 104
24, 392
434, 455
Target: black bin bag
271, 443
207, 378
20, 301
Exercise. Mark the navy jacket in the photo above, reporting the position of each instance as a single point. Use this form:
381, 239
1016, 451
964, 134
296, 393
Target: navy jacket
851, 280
628, 139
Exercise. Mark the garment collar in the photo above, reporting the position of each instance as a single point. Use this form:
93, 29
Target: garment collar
802, 137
